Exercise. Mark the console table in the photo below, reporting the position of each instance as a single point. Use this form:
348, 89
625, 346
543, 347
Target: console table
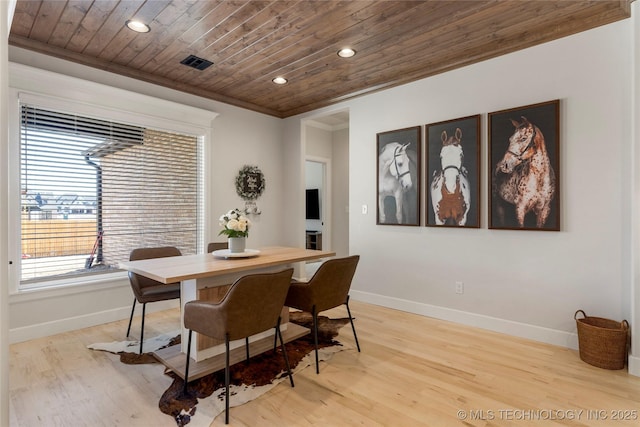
314, 240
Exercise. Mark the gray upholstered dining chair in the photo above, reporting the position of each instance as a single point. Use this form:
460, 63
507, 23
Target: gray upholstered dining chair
148, 290
328, 288
252, 305
216, 246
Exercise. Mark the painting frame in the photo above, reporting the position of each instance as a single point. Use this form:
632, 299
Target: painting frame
390, 159
537, 205
463, 199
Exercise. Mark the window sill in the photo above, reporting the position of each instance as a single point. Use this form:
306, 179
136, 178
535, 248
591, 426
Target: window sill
75, 286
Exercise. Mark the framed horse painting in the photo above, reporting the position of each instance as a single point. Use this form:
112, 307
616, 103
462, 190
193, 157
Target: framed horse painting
453, 173
524, 167
398, 178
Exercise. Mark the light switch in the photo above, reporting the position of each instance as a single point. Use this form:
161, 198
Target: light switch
365, 209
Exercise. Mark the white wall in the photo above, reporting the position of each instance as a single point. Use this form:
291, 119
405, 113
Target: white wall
634, 291
340, 193
242, 137
525, 283
318, 142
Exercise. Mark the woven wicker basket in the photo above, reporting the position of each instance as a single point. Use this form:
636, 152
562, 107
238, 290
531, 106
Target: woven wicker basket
602, 342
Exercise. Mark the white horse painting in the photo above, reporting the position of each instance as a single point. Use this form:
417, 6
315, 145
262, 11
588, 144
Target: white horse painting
394, 177
450, 193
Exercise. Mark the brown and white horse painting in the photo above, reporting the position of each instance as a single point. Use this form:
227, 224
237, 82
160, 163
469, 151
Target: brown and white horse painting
450, 193
524, 177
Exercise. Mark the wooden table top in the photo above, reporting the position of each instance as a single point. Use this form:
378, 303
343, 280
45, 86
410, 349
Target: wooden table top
176, 269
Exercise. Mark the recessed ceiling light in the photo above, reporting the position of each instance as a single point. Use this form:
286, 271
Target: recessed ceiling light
279, 80
347, 52
137, 26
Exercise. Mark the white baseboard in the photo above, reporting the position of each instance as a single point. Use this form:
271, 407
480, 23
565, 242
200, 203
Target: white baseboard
522, 330
40, 330
634, 365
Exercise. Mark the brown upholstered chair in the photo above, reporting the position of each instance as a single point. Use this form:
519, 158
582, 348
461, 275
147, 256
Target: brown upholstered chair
215, 246
148, 290
252, 305
328, 288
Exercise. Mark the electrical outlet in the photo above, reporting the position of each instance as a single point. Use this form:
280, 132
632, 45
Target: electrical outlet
459, 288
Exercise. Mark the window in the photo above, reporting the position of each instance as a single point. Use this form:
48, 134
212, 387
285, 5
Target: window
92, 190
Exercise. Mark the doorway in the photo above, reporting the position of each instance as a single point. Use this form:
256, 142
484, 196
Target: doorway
317, 209
317, 204
326, 153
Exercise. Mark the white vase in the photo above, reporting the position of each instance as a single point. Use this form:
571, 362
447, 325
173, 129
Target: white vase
237, 244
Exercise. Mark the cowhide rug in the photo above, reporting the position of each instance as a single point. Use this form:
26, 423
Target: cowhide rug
248, 381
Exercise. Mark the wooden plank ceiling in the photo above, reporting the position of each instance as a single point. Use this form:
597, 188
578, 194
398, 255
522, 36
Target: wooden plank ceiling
251, 42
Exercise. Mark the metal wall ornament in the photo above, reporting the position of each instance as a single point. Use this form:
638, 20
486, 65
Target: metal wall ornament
250, 184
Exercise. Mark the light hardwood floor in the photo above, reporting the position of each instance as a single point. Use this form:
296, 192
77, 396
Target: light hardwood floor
412, 371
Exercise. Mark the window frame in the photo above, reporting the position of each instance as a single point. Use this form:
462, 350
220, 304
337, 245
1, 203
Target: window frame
120, 106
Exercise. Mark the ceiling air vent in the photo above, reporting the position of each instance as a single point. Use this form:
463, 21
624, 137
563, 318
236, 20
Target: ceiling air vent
195, 62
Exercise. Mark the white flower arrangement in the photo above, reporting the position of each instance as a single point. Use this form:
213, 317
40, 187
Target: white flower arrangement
234, 224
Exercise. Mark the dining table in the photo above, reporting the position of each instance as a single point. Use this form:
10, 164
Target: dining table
208, 276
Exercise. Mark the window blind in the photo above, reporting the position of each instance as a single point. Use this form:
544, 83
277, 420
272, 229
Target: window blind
93, 190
